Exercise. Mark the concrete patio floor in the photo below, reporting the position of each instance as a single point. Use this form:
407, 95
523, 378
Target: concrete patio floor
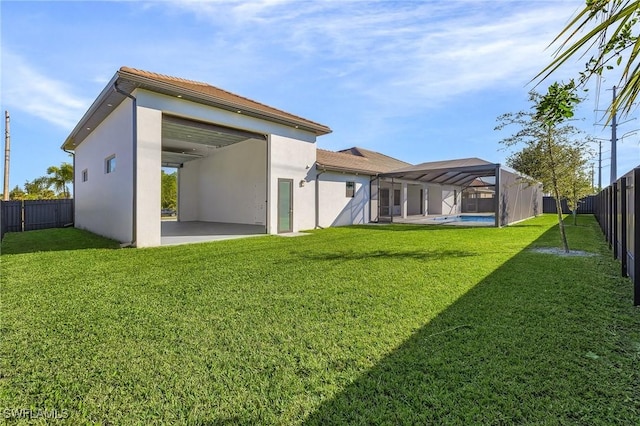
174, 232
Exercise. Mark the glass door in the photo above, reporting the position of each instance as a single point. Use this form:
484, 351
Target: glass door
285, 205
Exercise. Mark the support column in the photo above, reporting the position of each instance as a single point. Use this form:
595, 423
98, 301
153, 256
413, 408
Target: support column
425, 199
403, 200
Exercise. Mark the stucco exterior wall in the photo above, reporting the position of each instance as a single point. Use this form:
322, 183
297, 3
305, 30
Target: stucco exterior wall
414, 201
335, 208
104, 203
293, 159
451, 200
149, 157
228, 186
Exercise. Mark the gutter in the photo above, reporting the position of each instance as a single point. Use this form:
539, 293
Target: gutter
134, 206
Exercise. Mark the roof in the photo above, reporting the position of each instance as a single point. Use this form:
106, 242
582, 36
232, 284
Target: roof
128, 79
357, 160
460, 172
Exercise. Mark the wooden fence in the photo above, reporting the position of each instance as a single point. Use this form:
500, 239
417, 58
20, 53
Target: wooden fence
28, 215
615, 211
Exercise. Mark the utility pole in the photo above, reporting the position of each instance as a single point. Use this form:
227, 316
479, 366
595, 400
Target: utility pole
7, 144
599, 165
614, 139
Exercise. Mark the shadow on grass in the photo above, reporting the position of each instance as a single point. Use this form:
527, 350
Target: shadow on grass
387, 254
57, 239
531, 343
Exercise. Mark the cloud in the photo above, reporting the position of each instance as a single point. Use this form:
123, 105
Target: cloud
397, 53
26, 89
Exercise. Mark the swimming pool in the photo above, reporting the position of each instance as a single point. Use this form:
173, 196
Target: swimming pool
466, 218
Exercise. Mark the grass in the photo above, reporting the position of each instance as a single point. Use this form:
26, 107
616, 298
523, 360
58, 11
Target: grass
362, 325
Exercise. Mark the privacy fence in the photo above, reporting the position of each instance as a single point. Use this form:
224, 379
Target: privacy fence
616, 213
28, 215
586, 206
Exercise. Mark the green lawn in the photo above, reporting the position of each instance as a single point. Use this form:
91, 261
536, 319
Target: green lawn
394, 324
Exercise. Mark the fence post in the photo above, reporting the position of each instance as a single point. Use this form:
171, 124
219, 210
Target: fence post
623, 223
614, 214
636, 239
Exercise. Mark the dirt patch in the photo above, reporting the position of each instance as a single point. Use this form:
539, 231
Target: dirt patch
560, 252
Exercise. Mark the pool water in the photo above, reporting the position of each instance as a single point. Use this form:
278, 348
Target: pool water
466, 218
485, 219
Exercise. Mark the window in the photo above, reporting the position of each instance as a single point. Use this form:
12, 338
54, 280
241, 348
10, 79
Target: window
351, 189
110, 164
455, 197
396, 197
85, 175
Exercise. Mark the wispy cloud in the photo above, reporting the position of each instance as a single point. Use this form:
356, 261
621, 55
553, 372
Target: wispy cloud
27, 89
398, 53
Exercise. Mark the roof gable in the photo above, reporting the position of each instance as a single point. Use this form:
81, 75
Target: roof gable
127, 79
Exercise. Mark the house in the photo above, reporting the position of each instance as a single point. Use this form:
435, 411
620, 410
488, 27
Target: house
239, 162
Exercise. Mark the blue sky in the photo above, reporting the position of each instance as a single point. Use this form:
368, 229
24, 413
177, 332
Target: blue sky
420, 81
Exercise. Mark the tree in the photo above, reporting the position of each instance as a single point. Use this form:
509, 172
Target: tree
549, 140
576, 184
38, 189
169, 185
60, 177
611, 27
17, 194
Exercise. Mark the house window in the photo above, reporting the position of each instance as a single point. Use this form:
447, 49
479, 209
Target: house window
110, 164
85, 175
455, 197
396, 197
351, 189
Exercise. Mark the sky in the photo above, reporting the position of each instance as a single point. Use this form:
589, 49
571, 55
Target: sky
417, 80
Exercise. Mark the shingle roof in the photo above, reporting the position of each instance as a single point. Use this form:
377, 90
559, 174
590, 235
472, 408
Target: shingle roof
222, 95
357, 160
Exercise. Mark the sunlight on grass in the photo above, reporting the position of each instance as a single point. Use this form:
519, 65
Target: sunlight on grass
286, 330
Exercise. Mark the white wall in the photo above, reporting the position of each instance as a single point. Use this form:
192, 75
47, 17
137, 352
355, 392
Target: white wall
414, 201
227, 186
335, 208
292, 159
149, 144
451, 205
104, 203
435, 199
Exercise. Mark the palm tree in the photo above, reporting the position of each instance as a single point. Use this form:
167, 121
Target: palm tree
609, 26
59, 177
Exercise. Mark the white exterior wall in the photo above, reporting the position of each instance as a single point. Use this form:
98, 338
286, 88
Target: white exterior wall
335, 208
292, 159
414, 201
228, 186
435, 199
104, 203
149, 144
451, 205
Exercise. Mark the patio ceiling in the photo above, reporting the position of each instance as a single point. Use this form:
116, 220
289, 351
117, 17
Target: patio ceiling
454, 172
185, 140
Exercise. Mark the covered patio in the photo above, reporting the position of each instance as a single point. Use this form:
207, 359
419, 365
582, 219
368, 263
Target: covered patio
514, 198
174, 232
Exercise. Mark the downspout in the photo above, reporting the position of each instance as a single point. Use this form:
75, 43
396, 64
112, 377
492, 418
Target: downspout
318, 198
267, 215
134, 209
73, 184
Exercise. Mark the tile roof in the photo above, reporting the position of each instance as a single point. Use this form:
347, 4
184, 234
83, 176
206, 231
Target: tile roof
357, 160
218, 94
